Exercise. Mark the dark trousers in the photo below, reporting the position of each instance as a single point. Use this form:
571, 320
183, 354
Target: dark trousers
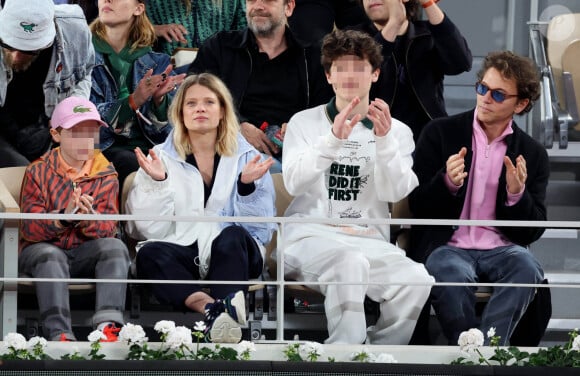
235, 256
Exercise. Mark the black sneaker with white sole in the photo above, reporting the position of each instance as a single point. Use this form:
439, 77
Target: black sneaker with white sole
224, 317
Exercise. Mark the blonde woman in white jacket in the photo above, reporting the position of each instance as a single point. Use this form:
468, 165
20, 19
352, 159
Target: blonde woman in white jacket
203, 169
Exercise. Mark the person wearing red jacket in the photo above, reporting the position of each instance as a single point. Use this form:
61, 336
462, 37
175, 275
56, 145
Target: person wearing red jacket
73, 178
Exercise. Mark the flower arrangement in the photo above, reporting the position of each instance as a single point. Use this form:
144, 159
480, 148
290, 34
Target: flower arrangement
309, 351
181, 343
312, 351
176, 344
471, 342
368, 357
19, 349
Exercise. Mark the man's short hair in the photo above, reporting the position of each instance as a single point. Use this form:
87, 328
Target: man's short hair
350, 42
519, 68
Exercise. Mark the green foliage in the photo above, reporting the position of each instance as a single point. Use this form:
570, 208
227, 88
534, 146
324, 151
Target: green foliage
292, 353
567, 355
362, 357
73, 356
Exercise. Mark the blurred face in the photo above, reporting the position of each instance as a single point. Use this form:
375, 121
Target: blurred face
77, 143
17, 60
265, 16
119, 12
492, 113
378, 10
351, 76
201, 110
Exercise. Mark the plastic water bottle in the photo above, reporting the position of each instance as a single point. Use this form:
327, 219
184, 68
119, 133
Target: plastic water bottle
274, 133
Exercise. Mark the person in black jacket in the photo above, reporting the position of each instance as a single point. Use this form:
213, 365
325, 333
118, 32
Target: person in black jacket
313, 19
479, 165
417, 55
270, 73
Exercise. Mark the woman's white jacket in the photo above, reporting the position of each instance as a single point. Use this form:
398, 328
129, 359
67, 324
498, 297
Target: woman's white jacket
182, 195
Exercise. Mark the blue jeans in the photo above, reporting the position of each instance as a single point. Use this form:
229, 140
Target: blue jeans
455, 306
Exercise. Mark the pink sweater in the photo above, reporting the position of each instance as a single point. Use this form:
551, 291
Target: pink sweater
482, 187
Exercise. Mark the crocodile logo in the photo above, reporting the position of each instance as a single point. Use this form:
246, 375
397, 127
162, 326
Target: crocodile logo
80, 109
28, 27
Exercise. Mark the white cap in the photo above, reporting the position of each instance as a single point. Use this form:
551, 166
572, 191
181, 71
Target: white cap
27, 25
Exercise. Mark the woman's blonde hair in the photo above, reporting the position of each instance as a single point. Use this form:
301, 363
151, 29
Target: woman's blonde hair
228, 128
141, 34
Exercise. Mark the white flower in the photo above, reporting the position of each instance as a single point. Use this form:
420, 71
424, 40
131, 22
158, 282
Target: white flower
15, 341
164, 326
37, 341
310, 350
180, 336
246, 346
384, 358
199, 326
576, 344
96, 336
132, 334
470, 340
491, 332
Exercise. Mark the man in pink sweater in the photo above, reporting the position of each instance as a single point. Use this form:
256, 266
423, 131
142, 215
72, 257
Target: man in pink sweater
481, 165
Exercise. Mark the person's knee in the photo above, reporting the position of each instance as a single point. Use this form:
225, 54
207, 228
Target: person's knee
232, 240
113, 249
349, 264
234, 233
526, 269
46, 261
444, 270
50, 254
444, 267
113, 259
145, 258
419, 273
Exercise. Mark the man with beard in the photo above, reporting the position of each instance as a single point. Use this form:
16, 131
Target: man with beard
46, 55
270, 73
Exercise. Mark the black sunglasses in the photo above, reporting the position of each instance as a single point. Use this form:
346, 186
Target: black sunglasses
497, 95
10, 48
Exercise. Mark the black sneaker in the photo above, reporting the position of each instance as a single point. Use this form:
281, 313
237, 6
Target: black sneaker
235, 305
224, 317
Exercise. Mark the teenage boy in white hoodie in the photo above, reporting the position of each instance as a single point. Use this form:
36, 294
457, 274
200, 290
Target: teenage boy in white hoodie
349, 159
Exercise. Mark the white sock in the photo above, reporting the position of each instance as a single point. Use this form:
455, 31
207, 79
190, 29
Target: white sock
103, 325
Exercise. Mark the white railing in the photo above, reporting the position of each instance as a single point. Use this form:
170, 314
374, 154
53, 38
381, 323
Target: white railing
9, 262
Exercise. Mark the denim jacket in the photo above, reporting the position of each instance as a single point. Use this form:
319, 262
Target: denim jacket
72, 60
104, 95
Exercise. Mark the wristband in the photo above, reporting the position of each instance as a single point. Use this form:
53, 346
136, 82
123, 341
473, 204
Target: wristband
429, 3
134, 107
132, 103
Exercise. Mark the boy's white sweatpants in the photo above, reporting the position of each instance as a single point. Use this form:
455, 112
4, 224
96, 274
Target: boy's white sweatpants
362, 261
